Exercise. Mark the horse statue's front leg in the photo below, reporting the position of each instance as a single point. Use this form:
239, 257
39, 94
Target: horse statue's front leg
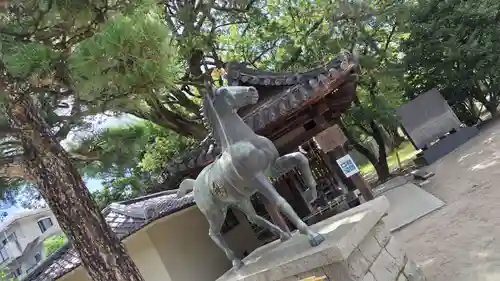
287, 162
216, 218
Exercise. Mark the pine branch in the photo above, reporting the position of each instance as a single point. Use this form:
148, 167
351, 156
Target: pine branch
82, 157
298, 51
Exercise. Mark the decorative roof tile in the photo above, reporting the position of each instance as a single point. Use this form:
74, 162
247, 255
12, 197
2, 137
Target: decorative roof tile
124, 218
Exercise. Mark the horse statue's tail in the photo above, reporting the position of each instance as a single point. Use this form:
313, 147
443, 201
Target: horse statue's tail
185, 187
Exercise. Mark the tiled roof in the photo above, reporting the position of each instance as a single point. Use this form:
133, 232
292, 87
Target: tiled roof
124, 218
291, 91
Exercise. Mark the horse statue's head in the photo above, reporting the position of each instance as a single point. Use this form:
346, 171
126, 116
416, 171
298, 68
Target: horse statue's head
228, 99
220, 106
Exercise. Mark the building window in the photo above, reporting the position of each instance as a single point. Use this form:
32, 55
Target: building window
12, 237
17, 272
38, 258
45, 224
3, 254
230, 222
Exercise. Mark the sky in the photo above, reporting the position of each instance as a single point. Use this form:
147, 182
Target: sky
93, 184
100, 123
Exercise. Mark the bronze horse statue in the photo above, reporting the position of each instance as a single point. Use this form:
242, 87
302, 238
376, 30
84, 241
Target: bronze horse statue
242, 169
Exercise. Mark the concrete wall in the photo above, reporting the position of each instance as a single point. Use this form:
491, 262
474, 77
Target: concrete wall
188, 252
147, 258
144, 255
27, 261
178, 248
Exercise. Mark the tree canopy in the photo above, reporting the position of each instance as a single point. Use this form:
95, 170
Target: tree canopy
70, 61
451, 45
276, 36
148, 59
131, 158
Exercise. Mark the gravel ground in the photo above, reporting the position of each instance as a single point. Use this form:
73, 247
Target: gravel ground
461, 241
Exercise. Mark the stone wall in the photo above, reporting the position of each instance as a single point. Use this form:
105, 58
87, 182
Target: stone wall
378, 257
357, 247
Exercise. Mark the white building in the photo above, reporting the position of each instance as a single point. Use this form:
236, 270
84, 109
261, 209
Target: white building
21, 240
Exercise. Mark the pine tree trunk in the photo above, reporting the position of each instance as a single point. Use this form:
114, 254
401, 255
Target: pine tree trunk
491, 106
382, 170
176, 122
381, 166
397, 139
62, 187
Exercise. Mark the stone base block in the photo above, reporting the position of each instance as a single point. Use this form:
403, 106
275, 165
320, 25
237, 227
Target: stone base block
358, 247
446, 145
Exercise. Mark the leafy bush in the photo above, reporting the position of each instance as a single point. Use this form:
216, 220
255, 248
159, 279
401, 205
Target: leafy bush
52, 244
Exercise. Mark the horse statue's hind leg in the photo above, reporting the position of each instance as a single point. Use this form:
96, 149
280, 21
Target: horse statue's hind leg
287, 162
246, 207
265, 187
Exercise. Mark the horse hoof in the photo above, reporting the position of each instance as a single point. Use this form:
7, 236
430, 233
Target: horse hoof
285, 236
315, 239
238, 264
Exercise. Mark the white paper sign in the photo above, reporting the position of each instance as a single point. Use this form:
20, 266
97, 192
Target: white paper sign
347, 165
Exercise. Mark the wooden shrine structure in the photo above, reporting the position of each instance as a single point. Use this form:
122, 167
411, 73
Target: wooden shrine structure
292, 109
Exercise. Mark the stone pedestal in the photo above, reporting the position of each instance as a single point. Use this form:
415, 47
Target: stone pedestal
446, 145
358, 247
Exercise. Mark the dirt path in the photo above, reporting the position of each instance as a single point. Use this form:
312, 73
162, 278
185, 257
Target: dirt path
461, 241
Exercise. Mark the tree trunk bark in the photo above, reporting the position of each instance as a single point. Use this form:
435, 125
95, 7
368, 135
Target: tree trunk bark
62, 187
397, 139
382, 170
381, 166
464, 114
183, 127
169, 120
490, 106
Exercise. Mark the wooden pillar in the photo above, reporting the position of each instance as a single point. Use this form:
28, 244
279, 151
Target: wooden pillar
332, 141
331, 168
355, 180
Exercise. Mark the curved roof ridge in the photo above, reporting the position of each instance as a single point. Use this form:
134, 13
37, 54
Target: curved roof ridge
238, 71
